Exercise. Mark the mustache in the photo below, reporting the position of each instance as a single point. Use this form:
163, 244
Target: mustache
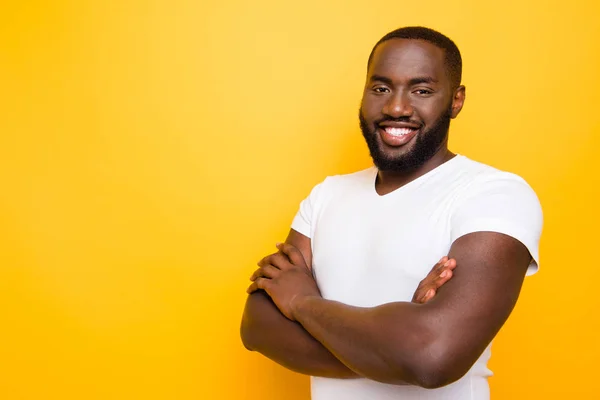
400, 119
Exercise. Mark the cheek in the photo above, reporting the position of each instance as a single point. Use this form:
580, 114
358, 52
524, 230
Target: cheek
371, 107
432, 111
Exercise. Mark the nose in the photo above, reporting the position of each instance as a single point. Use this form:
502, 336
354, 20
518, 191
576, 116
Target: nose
398, 106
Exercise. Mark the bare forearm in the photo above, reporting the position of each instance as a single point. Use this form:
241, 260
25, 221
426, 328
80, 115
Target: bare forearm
369, 341
266, 330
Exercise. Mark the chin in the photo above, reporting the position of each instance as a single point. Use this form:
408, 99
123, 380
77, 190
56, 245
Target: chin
393, 153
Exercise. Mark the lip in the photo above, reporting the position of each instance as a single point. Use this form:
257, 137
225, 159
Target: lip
396, 141
393, 124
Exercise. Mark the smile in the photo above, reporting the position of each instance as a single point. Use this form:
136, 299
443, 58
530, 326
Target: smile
399, 131
396, 136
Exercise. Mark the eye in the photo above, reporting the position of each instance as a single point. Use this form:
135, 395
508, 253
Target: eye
381, 89
423, 92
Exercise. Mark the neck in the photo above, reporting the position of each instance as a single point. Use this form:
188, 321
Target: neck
388, 181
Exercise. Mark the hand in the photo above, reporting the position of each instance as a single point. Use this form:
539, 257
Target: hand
285, 277
437, 277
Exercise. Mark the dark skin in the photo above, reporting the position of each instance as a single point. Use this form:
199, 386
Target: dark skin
407, 79
405, 343
266, 330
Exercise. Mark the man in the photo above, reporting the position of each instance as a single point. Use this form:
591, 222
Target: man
335, 300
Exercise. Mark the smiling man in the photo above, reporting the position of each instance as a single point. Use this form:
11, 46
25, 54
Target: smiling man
338, 300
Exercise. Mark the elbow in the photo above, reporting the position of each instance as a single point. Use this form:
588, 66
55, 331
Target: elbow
426, 367
247, 336
433, 378
428, 374
437, 369
251, 320
429, 360
246, 339
256, 320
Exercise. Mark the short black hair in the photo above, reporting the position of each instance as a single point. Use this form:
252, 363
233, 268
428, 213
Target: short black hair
453, 58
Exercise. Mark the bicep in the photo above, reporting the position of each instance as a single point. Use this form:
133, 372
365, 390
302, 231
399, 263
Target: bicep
302, 243
472, 307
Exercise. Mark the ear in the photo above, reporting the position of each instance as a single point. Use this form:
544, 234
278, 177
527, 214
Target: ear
458, 100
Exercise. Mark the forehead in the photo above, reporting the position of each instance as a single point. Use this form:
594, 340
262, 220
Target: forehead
400, 59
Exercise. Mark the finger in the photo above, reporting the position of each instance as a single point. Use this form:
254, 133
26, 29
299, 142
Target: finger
434, 274
292, 252
427, 292
278, 260
440, 265
260, 283
451, 264
428, 295
417, 294
252, 288
265, 260
434, 279
422, 297
448, 264
267, 271
443, 278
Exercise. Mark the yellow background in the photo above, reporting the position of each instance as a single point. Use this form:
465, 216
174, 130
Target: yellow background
152, 151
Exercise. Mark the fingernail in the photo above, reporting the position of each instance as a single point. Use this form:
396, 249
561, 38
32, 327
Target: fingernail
447, 264
444, 274
278, 244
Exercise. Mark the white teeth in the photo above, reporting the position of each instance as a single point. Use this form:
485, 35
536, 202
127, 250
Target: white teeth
398, 131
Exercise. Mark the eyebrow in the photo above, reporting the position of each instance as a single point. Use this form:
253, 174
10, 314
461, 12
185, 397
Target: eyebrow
381, 78
411, 82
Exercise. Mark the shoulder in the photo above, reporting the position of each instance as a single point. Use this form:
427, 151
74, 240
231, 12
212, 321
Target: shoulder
482, 179
331, 190
498, 201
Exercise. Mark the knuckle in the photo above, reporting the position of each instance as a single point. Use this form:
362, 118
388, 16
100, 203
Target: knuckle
264, 281
263, 261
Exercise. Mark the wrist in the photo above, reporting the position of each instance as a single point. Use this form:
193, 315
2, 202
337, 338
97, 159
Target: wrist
300, 304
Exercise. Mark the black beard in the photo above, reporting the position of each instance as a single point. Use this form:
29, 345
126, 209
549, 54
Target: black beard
427, 143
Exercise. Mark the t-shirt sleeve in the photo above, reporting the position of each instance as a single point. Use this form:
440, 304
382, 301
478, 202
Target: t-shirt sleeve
505, 204
305, 217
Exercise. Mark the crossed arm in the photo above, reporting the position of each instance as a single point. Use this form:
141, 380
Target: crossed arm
266, 330
428, 345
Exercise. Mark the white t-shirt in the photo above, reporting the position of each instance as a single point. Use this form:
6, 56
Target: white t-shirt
370, 249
